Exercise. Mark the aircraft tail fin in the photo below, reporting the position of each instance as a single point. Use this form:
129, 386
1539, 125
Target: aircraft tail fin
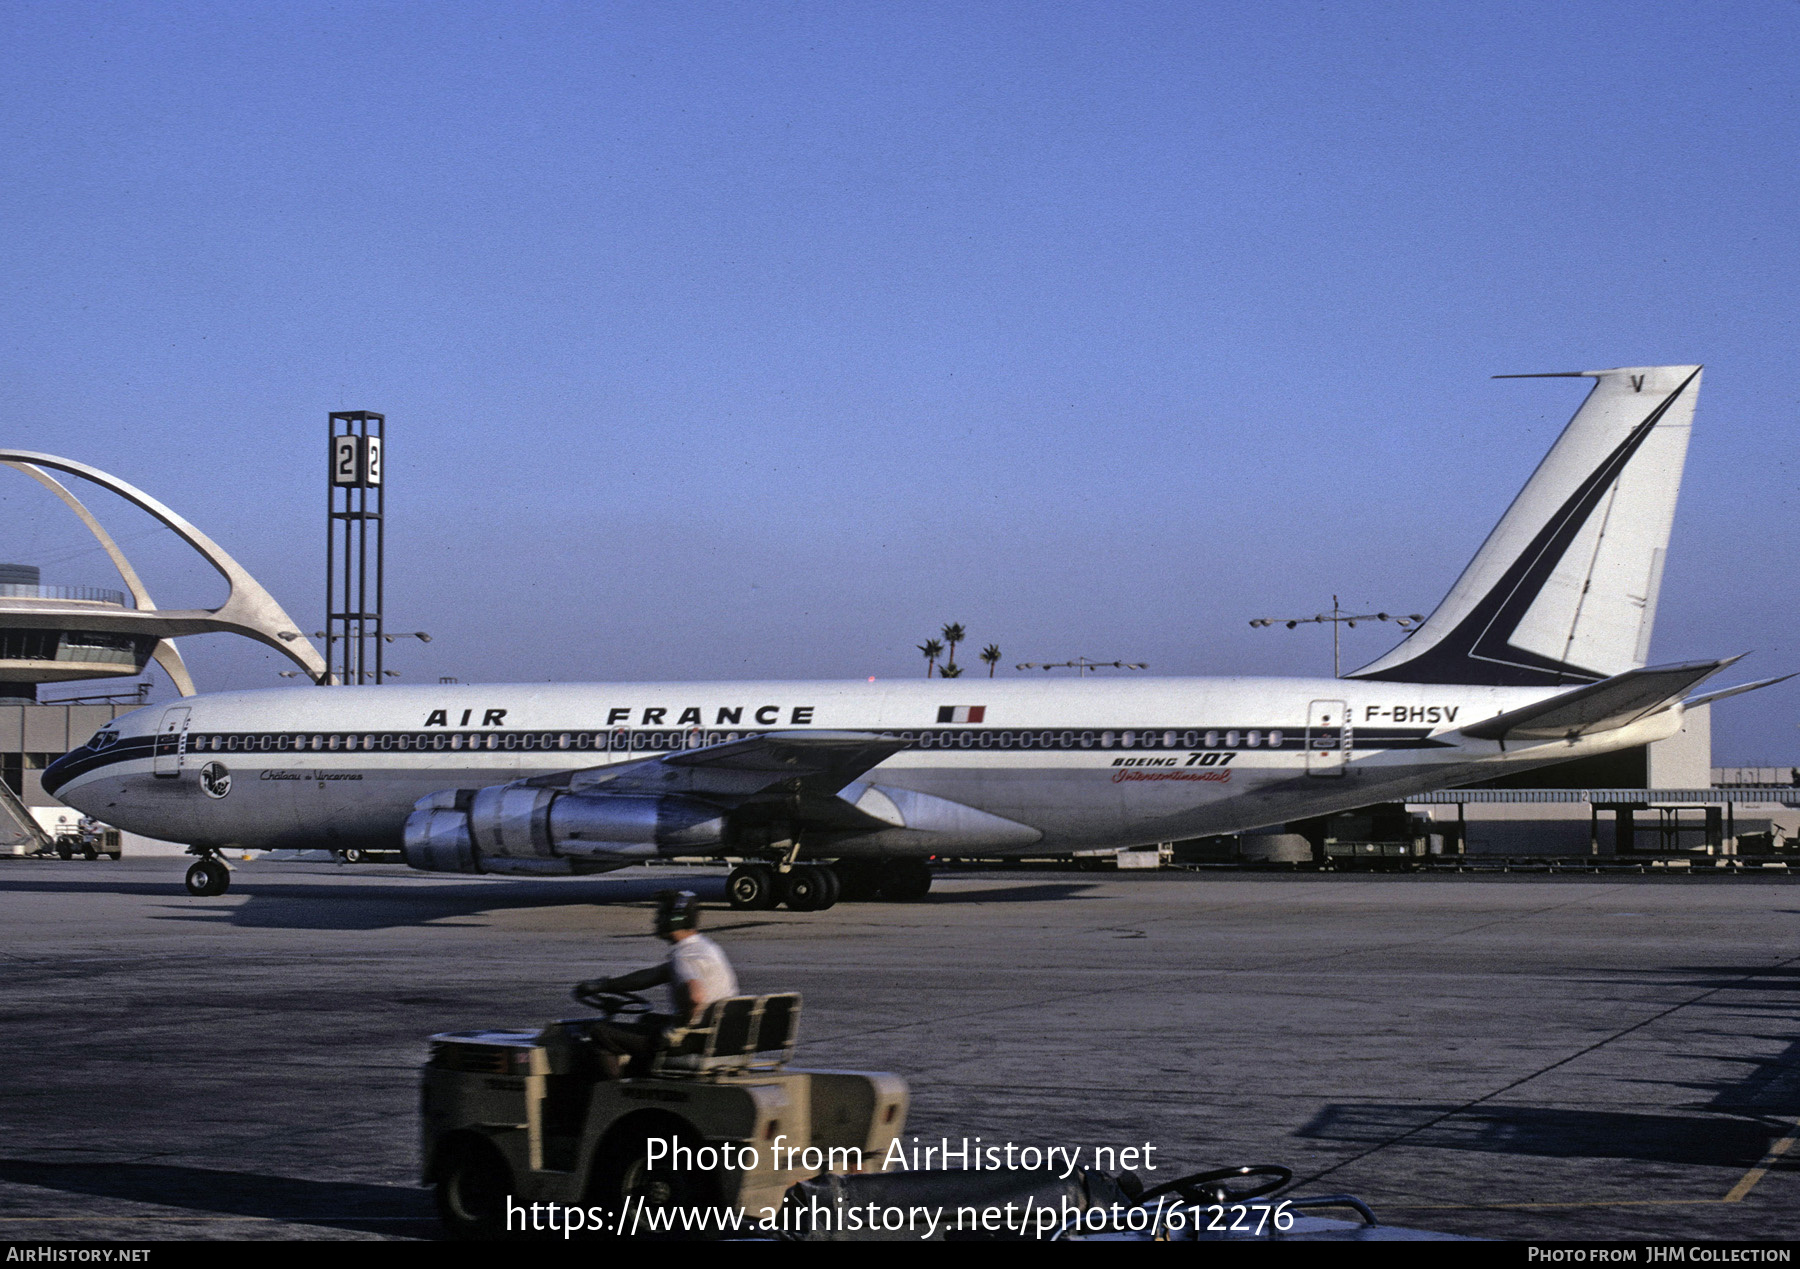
1564, 590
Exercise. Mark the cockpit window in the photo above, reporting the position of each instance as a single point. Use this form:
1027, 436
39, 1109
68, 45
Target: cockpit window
101, 739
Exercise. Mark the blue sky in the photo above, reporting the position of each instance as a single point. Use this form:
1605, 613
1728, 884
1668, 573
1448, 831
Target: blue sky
763, 339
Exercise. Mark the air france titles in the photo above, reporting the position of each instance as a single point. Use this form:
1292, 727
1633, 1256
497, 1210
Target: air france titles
649, 716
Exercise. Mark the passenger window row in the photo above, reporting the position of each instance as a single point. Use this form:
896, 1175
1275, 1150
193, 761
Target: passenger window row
622, 740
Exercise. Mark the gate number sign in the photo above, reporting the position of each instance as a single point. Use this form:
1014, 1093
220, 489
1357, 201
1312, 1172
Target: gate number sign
356, 460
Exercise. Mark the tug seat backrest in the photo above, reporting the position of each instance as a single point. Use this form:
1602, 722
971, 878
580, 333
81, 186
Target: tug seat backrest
734, 1033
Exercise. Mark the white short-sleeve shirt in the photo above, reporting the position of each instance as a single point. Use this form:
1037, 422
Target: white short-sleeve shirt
698, 960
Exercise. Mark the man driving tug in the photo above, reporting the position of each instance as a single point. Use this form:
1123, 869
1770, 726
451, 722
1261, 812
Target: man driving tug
696, 971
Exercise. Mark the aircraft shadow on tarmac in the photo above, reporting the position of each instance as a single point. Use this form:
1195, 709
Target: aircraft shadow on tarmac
384, 1209
272, 905
265, 900
1036, 892
1552, 1132
1749, 1113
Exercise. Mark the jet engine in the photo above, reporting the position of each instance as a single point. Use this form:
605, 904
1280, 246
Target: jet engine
521, 828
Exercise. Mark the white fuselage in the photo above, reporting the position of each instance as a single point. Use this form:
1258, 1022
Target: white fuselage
1048, 766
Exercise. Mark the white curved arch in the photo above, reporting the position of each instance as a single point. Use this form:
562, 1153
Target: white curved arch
248, 609
165, 654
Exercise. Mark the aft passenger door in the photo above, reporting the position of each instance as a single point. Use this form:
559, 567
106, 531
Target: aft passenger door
1327, 738
171, 742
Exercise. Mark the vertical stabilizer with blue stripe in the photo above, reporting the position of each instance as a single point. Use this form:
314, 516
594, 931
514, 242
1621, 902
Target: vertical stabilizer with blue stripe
1564, 590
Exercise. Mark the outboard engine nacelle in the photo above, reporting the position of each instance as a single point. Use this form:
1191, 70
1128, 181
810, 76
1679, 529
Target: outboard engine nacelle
436, 836
462, 830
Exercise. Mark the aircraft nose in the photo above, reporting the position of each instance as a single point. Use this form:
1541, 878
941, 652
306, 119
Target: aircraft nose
59, 772
73, 763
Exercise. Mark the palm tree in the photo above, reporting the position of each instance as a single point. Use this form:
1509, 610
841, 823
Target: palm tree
953, 635
932, 650
991, 654
949, 671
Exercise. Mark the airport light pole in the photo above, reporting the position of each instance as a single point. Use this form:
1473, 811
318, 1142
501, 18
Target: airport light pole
1338, 619
330, 639
1081, 665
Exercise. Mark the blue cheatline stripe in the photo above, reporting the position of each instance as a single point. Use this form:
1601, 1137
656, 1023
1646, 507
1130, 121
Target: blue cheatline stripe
648, 743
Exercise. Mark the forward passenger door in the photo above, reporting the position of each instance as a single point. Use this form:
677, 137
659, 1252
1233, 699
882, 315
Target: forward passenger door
171, 742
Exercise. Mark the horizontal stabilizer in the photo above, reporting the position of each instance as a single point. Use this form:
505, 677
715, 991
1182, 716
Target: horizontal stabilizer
1603, 706
1722, 693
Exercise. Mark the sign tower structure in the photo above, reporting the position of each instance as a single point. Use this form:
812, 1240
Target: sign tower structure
354, 549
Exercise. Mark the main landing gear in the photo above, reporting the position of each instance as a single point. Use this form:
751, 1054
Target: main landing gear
208, 877
804, 887
758, 887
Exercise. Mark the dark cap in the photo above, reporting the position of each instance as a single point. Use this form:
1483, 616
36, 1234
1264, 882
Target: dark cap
677, 910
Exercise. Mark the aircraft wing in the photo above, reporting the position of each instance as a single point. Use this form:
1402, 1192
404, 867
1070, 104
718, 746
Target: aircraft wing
809, 764
1603, 706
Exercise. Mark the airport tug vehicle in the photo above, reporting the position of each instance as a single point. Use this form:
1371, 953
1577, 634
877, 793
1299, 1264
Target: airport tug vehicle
719, 1121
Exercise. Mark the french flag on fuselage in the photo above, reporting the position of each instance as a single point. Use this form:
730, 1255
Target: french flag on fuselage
961, 713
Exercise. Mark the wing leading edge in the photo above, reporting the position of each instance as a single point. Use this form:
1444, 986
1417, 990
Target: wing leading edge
805, 764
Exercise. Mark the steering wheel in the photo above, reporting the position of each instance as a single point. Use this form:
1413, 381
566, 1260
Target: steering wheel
614, 1004
1212, 1187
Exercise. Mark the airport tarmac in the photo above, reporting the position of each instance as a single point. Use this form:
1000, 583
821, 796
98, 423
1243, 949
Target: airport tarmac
1502, 1056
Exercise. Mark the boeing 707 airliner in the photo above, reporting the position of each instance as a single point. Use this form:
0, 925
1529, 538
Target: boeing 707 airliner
1536, 656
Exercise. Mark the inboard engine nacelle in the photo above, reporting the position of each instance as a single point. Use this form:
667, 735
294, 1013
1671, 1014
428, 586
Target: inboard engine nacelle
517, 827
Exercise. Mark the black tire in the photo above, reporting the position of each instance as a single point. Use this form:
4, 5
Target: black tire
830, 887
905, 880
858, 881
473, 1184
622, 1181
801, 889
751, 888
208, 878
65, 851
354, 855
89, 853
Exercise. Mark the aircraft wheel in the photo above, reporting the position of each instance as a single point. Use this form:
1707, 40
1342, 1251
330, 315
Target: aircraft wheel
830, 887
859, 881
207, 878
354, 855
751, 888
803, 888
472, 1189
905, 880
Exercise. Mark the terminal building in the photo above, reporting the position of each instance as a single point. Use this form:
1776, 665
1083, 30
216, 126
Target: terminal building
34, 733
